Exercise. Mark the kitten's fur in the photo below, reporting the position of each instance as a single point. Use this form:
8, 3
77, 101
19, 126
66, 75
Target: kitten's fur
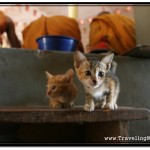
61, 90
99, 83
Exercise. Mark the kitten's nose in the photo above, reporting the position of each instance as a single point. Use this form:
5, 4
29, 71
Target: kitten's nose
49, 92
94, 81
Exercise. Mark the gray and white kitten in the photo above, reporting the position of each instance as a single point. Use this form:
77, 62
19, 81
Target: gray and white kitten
99, 83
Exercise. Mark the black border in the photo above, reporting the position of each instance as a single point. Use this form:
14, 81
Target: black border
81, 3
74, 144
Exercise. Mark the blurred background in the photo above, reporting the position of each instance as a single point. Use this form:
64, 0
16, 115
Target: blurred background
23, 15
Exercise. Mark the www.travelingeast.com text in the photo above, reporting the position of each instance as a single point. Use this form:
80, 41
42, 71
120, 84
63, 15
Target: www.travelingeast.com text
128, 138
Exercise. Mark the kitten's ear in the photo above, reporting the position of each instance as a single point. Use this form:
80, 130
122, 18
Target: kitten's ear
108, 60
78, 58
69, 75
48, 75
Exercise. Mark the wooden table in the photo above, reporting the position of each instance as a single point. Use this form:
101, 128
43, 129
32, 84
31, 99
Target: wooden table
72, 125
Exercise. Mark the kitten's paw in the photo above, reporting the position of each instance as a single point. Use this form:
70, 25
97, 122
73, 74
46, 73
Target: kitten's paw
67, 105
115, 106
54, 103
88, 107
110, 106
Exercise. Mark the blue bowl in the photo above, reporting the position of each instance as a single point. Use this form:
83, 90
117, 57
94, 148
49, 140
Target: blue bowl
59, 43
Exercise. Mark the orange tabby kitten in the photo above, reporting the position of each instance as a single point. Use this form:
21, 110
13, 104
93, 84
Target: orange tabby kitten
61, 90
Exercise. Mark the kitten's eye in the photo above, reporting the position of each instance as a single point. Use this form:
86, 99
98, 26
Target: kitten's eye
88, 73
53, 87
101, 74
